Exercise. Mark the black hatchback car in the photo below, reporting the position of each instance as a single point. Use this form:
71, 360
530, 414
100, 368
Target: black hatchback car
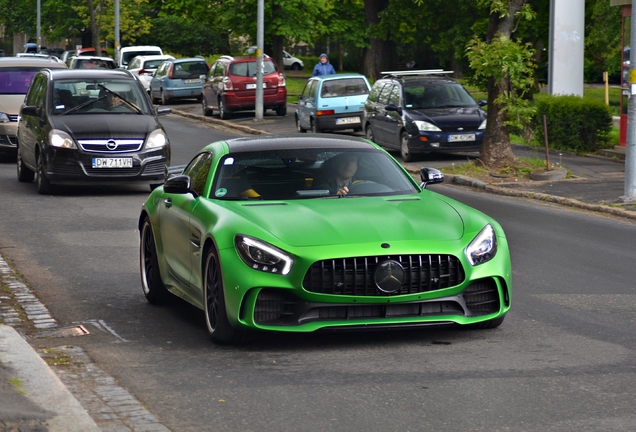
422, 112
82, 127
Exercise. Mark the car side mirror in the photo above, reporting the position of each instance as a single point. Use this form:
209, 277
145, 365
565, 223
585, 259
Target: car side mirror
392, 107
30, 111
177, 185
430, 176
482, 103
163, 110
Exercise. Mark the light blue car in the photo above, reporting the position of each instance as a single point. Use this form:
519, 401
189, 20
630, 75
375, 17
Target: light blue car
332, 102
178, 79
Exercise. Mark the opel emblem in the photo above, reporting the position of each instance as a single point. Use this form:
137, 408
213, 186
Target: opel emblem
389, 276
111, 144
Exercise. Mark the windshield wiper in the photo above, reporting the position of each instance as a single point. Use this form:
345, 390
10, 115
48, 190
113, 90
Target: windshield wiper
130, 104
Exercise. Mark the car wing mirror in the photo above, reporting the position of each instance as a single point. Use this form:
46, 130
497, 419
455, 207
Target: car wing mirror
163, 110
30, 111
482, 103
179, 184
430, 176
393, 107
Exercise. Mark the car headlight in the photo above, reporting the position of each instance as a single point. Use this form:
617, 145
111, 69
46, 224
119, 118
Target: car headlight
482, 126
263, 256
426, 126
61, 139
483, 247
156, 139
4, 118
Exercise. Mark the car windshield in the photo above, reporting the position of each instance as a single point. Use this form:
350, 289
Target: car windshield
437, 95
344, 87
103, 96
309, 173
189, 69
249, 68
16, 80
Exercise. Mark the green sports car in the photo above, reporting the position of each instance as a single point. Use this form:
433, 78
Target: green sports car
298, 233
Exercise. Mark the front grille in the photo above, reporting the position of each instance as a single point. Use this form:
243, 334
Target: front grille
8, 140
13, 117
355, 276
482, 297
117, 145
154, 168
113, 172
65, 168
279, 308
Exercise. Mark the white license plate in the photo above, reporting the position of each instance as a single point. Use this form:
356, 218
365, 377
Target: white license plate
463, 137
112, 163
193, 81
253, 86
347, 120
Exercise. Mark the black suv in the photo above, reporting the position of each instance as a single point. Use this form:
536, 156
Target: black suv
90, 127
421, 112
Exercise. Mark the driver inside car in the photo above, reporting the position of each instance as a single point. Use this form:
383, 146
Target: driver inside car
340, 173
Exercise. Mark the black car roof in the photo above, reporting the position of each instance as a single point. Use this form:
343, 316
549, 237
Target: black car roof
90, 74
295, 141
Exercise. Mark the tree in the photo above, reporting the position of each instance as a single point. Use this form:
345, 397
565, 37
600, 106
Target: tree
507, 67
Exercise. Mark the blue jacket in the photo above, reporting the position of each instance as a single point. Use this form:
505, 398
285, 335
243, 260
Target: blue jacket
323, 69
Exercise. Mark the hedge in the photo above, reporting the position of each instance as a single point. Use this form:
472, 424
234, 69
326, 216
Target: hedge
574, 123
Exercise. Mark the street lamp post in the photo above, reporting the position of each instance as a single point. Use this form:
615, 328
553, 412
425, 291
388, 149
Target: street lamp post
630, 150
260, 25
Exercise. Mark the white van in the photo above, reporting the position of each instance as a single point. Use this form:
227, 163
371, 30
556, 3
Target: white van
126, 54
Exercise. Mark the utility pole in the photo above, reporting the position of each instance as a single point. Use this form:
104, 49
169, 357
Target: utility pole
39, 25
630, 150
260, 25
117, 32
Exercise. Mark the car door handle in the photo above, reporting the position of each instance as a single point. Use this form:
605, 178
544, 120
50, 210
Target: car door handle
167, 202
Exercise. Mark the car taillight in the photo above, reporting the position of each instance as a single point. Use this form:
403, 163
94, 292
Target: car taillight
141, 72
281, 80
227, 84
170, 72
325, 112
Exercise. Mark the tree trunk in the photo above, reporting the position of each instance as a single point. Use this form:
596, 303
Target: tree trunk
496, 150
277, 51
95, 30
382, 55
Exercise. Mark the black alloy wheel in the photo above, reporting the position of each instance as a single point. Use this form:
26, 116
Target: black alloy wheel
151, 283
44, 186
405, 152
25, 175
224, 114
281, 111
216, 320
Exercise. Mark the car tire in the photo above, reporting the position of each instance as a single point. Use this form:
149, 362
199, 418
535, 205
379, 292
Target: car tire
223, 113
313, 127
281, 111
491, 324
405, 153
164, 99
25, 175
204, 105
220, 329
296, 67
199, 98
151, 283
369, 133
44, 185
299, 128
153, 99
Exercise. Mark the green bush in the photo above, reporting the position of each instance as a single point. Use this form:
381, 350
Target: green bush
574, 123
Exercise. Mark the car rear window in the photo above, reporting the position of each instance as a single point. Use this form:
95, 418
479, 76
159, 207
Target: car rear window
152, 64
249, 68
16, 80
127, 56
344, 87
189, 70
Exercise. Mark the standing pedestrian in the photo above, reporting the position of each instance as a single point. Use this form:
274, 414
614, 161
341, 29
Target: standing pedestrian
323, 67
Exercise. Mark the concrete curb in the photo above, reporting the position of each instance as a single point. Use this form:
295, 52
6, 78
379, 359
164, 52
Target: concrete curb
468, 181
220, 122
35, 375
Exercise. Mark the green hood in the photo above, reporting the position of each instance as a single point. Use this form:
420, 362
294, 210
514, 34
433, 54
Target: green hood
321, 222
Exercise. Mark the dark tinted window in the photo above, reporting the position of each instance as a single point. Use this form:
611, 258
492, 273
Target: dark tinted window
189, 70
16, 80
344, 87
198, 170
437, 95
375, 91
249, 68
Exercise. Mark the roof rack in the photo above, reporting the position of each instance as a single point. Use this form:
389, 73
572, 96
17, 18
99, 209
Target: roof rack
417, 72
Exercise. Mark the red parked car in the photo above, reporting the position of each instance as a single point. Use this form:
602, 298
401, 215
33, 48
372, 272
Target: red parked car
231, 86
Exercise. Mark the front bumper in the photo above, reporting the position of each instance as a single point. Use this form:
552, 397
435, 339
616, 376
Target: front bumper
425, 142
183, 93
74, 167
8, 136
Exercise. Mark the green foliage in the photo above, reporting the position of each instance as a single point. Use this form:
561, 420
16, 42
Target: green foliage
187, 37
505, 61
575, 124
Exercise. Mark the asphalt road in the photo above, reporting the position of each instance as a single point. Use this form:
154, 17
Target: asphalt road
562, 360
